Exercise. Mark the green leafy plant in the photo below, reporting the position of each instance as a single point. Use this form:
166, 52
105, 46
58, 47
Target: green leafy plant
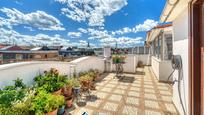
13, 104
69, 83
19, 83
12, 93
118, 58
76, 83
51, 81
45, 102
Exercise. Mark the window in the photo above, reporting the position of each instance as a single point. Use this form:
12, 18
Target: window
157, 47
168, 47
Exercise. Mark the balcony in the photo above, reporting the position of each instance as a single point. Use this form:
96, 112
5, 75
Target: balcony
137, 93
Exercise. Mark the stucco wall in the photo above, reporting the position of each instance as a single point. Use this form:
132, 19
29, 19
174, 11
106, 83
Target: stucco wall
161, 69
28, 70
131, 62
180, 47
87, 63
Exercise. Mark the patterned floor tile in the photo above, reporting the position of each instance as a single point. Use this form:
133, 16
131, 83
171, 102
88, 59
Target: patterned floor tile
149, 86
110, 85
95, 104
170, 108
133, 93
149, 91
132, 100
135, 89
110, 106
165, 92
102, 95
82, 110
151, 112
129, 110
166, 98
151, 104
119, 91
106, 89
114, 97
142, 97
150, 96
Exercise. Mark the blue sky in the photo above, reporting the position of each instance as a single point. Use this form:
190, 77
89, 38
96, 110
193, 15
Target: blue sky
75, 22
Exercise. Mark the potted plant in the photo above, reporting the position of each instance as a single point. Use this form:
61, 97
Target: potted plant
61, 109
76, 86
15, 100
57, 88
51, 81
46, 103
69, 101
96, 74
67, 90
85, 80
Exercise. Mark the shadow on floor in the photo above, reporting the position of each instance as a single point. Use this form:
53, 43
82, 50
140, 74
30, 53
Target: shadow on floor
140, 73
126, 79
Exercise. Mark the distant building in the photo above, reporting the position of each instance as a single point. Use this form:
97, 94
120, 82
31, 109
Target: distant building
11, 54
12, 48
74, 51
2, 46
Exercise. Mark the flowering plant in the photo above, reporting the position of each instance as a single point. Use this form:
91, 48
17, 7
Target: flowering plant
118, 59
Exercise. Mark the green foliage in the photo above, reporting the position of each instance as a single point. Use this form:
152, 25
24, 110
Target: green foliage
88, 75
51, 81
45, 102
19, 83
12, 93
69, 83
75, 82
86, 78
15, 105
18, 99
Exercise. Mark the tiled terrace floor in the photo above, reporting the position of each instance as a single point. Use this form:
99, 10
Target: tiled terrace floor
136, 94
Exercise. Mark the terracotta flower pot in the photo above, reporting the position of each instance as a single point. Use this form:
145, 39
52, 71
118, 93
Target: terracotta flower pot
97, 77
52, 113
69, 102
86, 83
58, 92
68, 91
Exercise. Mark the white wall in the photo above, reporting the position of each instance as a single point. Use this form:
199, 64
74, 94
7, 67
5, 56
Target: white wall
28, 70
161, 69
87, 63
180, 47
131, 62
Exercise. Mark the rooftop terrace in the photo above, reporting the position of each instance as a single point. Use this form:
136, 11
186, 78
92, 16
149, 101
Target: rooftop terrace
135, 94
138, 92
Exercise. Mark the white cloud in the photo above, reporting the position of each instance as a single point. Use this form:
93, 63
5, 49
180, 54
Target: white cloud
98, 34
82, 30
29, 28
74, 34
38, 19
83, 42
93, 11
146, 26
10, 36
121, 41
